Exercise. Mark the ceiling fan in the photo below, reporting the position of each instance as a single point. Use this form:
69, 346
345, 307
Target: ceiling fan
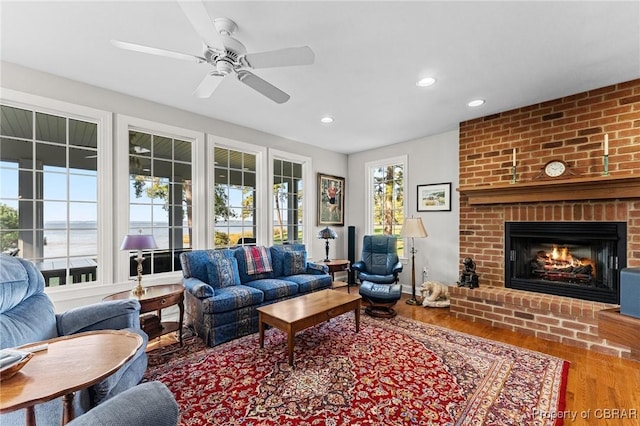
227, 55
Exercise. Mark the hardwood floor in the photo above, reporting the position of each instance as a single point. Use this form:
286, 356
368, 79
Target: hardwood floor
602, 389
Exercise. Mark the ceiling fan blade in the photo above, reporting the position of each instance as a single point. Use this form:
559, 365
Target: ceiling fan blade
208, 85
197, 14
157, 51
281, 58
262, 86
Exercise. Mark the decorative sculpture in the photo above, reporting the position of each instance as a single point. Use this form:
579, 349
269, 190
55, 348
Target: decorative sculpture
468, 277
434, 295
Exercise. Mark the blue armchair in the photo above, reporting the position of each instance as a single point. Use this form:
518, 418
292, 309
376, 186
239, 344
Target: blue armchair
378, 273
27, 315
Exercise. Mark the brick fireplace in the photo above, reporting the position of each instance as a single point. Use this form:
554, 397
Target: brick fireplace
571, 129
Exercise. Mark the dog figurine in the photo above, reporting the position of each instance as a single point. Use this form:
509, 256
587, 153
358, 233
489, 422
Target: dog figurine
434, 294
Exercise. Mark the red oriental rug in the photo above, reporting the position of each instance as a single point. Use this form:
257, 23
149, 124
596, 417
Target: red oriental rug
392, 372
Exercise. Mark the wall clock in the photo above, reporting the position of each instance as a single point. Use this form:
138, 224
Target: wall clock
555, 169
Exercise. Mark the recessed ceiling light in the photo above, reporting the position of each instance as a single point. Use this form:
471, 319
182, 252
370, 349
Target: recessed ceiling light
476, 102
327, 119
426, 81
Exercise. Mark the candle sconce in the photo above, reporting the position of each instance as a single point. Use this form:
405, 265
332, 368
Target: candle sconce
514, 175
605, 161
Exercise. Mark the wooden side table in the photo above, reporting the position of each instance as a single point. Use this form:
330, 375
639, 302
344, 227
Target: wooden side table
69, 364
338, 265
155, 299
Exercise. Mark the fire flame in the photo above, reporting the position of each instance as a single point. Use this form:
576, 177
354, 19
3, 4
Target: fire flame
561, 254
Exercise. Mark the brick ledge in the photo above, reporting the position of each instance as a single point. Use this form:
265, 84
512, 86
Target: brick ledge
573, 322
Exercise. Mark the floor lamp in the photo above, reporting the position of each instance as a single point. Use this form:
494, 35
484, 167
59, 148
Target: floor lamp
413, 228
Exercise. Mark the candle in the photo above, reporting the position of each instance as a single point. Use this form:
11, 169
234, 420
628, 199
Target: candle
514, 157
606, 144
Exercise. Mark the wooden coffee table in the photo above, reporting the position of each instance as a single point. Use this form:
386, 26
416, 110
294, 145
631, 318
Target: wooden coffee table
70, 363
306, 311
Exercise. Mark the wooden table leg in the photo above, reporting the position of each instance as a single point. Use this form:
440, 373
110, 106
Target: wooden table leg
30, 416
357, 312
68, 412
180, 321
261, 329
291, 335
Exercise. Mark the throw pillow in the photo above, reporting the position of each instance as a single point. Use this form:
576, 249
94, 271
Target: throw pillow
295, 262
223, 272
258, 259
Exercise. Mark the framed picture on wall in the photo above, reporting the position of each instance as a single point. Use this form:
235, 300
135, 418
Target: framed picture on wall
330, 200
434, 197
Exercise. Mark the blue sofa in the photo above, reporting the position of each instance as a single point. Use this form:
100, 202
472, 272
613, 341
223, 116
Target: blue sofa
27, 315
222, 295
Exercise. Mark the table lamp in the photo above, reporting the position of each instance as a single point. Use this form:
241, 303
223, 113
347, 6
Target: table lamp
327, 234
413, 228
139, 242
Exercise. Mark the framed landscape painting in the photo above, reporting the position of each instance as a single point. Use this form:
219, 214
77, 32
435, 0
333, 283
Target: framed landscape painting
435, 197
330, 200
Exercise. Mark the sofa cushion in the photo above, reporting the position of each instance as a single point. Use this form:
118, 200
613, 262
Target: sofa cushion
274, 288
194, 263
295, 262
223, 272
277, 256
232, 298
308, 283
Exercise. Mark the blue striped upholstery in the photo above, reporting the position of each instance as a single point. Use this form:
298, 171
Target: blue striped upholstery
222, 314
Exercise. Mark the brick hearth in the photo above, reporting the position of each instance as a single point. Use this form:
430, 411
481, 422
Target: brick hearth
571, 129
570, 321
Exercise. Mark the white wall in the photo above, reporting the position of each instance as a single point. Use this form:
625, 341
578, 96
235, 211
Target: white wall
432, 159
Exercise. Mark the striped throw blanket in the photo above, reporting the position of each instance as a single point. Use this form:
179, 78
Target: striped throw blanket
257, 259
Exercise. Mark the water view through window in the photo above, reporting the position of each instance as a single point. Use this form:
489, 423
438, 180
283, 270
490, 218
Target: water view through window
49, 193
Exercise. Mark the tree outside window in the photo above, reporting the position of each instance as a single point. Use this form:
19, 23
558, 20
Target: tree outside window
388, 200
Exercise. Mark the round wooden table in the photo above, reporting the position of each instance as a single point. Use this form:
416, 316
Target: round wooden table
69, 364
154, 299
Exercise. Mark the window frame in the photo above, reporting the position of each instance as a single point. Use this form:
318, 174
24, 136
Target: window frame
103, 120
308, 188
213, 141
124, 124
369, 167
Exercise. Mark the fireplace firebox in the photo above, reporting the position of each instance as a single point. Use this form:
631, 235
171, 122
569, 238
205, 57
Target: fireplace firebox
574, 259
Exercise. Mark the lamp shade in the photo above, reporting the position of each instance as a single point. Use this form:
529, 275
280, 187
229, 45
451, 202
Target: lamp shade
327, 234
413, 228
138, 242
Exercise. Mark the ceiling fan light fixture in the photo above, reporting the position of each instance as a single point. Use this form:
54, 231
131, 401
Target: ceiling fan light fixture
426, 82
224, 67
327, 119
476, 103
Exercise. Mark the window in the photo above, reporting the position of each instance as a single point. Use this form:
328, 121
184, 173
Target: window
49, 207
160, 201
235, 177
288, 201
386, 210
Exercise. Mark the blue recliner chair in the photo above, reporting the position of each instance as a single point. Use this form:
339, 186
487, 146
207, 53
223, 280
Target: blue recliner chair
27, 315
378, 273
150, 403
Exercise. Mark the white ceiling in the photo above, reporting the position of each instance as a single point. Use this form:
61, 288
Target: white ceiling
368, 56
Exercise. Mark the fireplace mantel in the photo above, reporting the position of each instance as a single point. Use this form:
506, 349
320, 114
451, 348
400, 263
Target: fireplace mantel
582, 188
